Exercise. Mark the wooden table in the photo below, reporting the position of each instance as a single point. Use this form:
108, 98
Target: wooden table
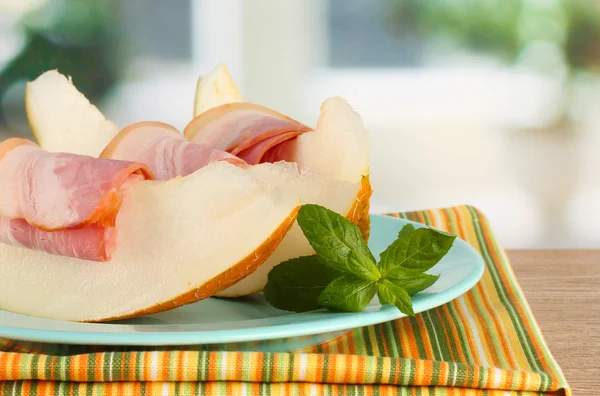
563, 290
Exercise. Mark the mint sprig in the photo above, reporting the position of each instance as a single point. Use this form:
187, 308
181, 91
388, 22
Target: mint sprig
338, 241
348, 294
296, 284
416, 249
344, 275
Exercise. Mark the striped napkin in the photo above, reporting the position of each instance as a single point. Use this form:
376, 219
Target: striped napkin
485, 342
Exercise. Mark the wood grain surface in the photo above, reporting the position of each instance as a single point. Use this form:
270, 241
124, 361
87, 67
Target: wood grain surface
563, 290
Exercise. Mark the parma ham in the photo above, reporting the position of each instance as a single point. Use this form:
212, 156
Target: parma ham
166, 152
89, 243
62, 203
254, 133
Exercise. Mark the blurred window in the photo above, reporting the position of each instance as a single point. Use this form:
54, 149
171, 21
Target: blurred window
157, 28
362, 34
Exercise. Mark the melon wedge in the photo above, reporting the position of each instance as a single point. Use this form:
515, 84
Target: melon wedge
214, 89
63, 119
178, 242
339, 146
312, 188
335, 159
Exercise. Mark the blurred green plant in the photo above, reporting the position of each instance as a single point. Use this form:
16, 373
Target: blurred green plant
77, 37
512, 30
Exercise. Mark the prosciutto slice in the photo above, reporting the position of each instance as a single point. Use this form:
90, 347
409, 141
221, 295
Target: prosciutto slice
166, 152
254, 133
88, 243
62, 203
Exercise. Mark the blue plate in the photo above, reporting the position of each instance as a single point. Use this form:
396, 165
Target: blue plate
250, 323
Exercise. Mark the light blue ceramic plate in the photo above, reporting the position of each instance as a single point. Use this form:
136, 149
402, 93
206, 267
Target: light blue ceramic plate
251, 323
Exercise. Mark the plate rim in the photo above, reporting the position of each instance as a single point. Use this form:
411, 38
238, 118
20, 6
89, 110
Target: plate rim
334, 322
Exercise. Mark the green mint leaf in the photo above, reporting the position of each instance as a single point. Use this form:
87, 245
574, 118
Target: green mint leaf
393, 294
296, 284
338, 241
418, 250
410, 280
348, 294
407, 229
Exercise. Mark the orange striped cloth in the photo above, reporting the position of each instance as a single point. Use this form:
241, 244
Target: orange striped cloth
485, 342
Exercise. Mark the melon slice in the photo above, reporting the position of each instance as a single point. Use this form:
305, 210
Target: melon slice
312, 188
178, 242
63, 119
339, 146
214, 89
335, 158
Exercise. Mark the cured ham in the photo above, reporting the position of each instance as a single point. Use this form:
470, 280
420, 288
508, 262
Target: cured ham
167, 153
62, 203
254, 133
90, 243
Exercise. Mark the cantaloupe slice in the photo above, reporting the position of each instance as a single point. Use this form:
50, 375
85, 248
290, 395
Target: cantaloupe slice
63, 119
337, 157
178, 241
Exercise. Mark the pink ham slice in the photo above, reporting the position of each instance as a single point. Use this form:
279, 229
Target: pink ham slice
62, 203
254, 133
88, 243
166, 152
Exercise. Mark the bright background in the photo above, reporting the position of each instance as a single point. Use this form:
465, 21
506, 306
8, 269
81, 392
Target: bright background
489, 102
